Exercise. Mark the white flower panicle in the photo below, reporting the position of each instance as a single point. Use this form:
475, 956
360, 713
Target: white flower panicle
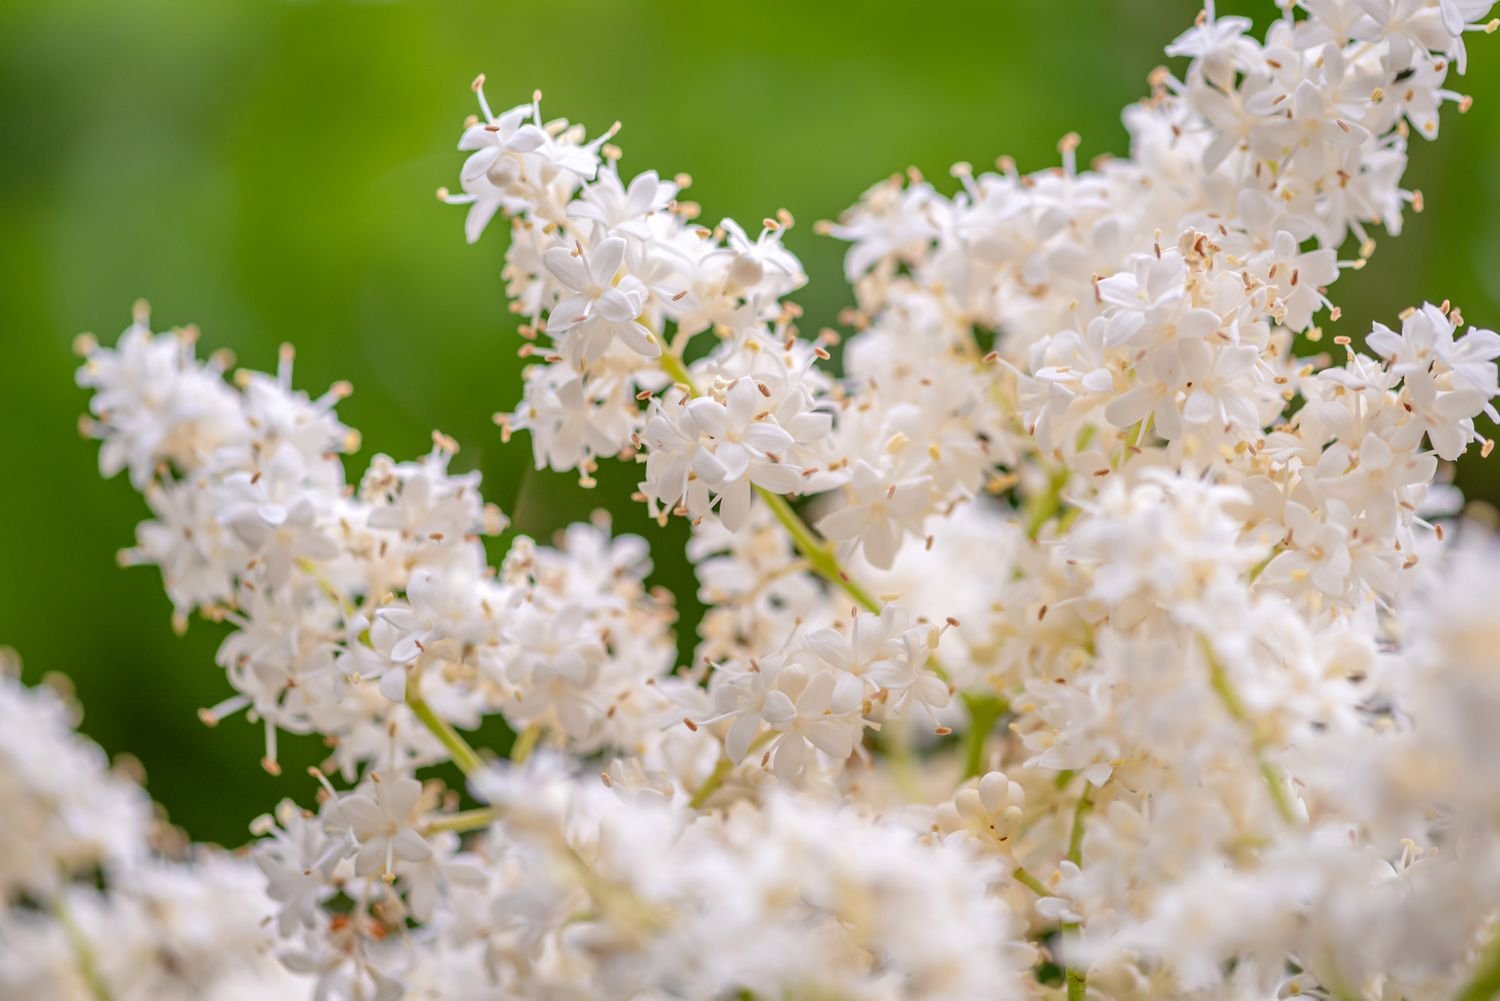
824, 688
367, 615
67, 813
345, 600
612, 273
1096, 632
100, 897
792, 897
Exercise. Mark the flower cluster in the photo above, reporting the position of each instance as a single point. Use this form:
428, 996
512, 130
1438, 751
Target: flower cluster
358, 608
100, 897
1095, 632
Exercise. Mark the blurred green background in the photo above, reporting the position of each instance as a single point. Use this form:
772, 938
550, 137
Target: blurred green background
266, 170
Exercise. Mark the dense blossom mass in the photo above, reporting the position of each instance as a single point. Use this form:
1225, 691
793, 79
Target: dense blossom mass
1122, 642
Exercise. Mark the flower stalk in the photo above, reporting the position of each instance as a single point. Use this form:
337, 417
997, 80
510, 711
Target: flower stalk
464, 756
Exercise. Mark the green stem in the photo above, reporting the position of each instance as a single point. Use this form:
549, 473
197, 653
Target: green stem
1026, 879
711, 784
1077, 979
83, 953
821, 559
896, 743
1080, 814
984, 710
464, 756
1046, 504
721, 771
1484, 983
1333, 982
1223, 686
525, 743
673, 366
463, 821
1077, 984
819, 554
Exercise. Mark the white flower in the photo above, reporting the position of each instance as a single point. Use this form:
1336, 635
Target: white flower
443, 605
155, 403
618, 208
64, 811
492, 139
569, 423
878, 513
743, 698
817, 710
600, 308
722, 445
298, 861
885, 652
557, 660
493, 167
277, 517
380, 825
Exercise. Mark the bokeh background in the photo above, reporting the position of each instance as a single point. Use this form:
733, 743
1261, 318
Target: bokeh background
266, 170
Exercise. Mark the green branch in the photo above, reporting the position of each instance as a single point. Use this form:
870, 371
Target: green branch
721, 771
819, 554
83, 953
673, 366
1223, 686
1080, 814
711, 784
463, 821
984, 710
1045, 504
1026, 879
464, 756
1076, 978
525, 743
1077, 984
